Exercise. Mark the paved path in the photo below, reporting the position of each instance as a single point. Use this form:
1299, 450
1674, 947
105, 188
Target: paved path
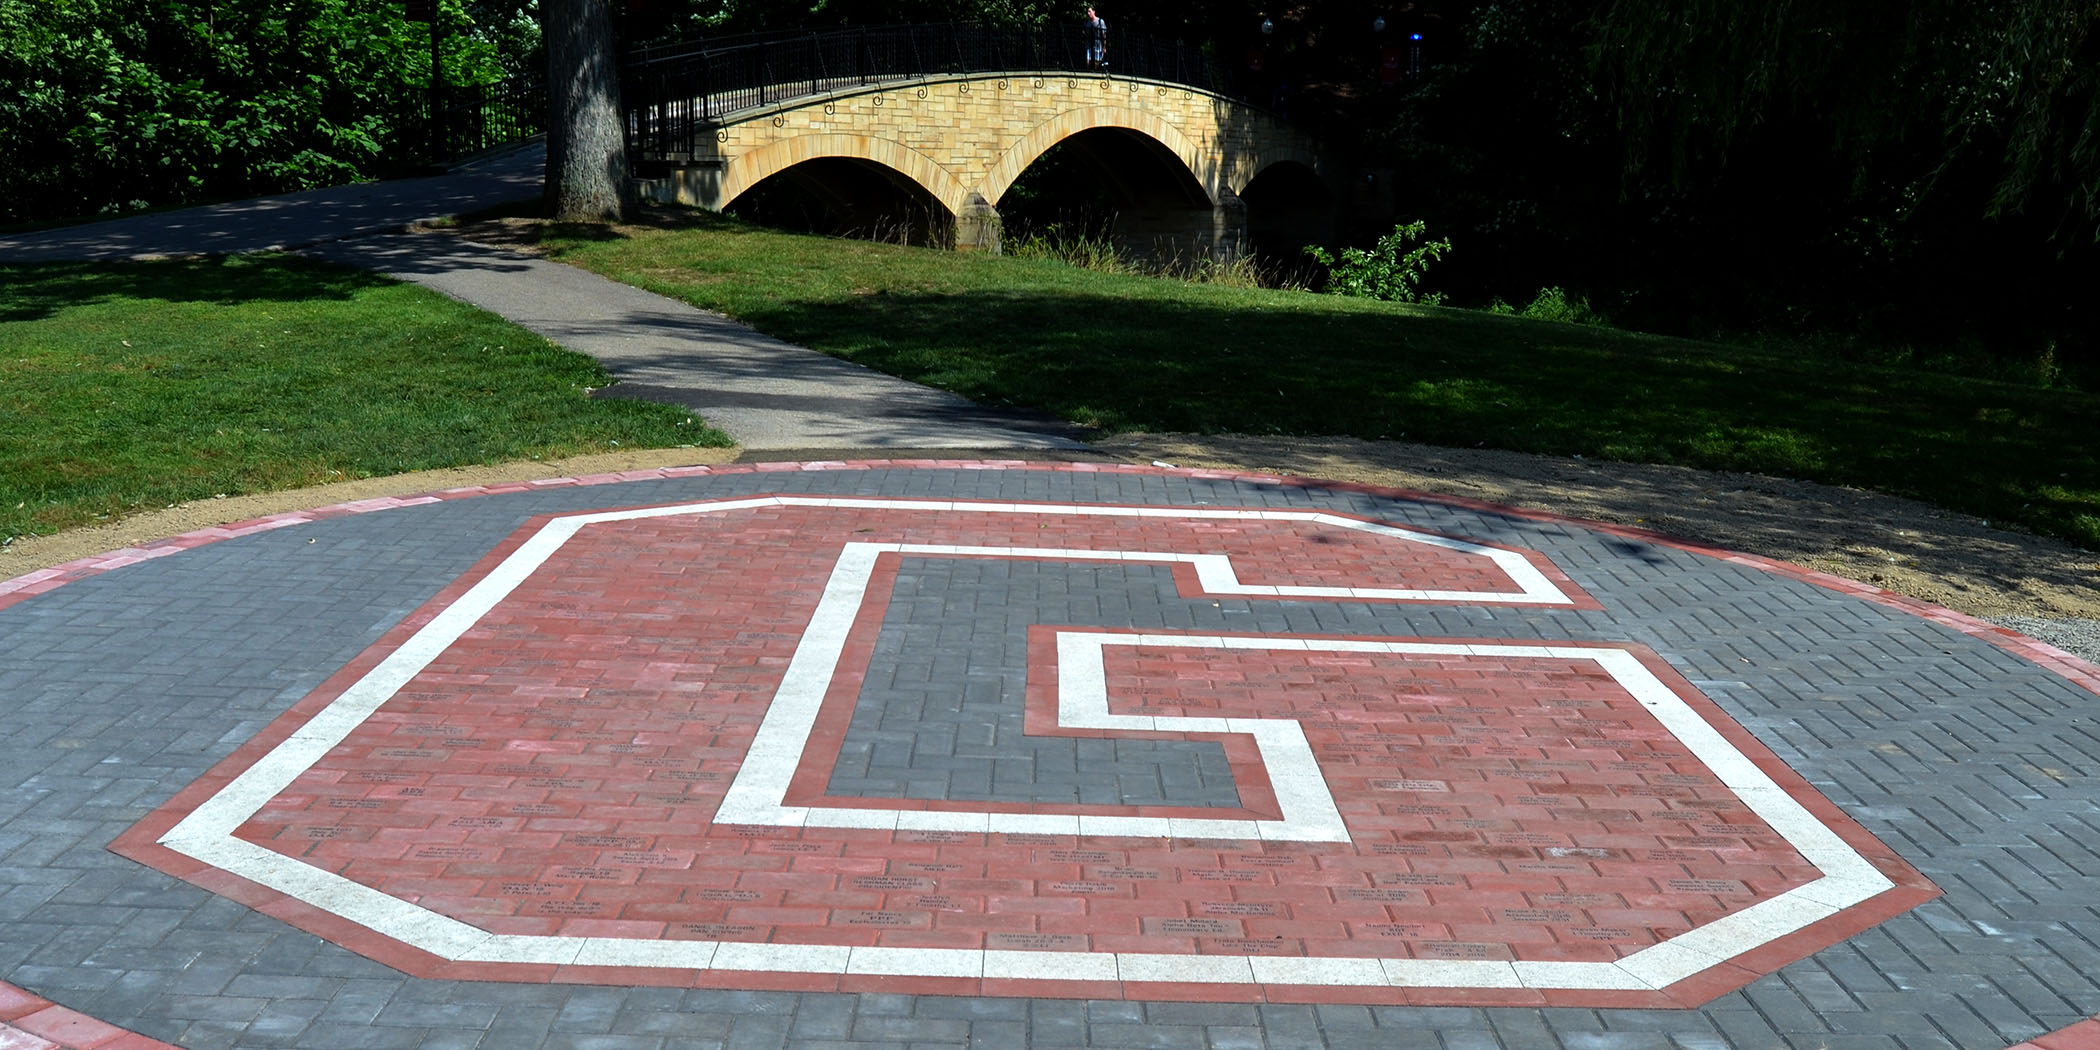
289, 220
764, 393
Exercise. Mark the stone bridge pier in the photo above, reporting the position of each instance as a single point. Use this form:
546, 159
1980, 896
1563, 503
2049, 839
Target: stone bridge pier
1189, 174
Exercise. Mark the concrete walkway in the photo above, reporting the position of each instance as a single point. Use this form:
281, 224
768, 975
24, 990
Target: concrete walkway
290, 220
765, 393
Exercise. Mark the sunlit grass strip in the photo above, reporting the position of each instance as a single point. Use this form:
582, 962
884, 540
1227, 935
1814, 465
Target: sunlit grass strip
135, 385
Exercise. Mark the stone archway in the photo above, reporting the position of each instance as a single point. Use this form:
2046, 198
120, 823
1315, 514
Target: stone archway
966, 138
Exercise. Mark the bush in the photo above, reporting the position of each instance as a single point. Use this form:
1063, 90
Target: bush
1552, 304
113, 105
1391, 270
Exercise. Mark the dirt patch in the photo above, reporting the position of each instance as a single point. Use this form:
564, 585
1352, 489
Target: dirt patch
512, 233
527, 234
1940, 556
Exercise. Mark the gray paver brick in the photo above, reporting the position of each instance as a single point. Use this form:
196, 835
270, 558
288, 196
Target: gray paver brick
1057, 1022
878, 1028
1201, 1014
998, 1035
1147, 1037
974, 1009
600, 1041
590, 1010
323, 1035
451, 1039
211, 1035
1471, 1040
1364, 1039
1614, 1041
680, 1024
283, 1023
525, 1025
758, 1032
401, 1014
355, 1008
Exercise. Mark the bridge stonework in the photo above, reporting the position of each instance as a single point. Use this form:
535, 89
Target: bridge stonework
965, 139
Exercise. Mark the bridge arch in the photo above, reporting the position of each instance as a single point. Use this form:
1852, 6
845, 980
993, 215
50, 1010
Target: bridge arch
1289, 205
965, 139
747, 170
1283, 154
1039, 139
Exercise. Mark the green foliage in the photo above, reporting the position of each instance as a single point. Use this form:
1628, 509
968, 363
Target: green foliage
1553, 304
130, 385
119, 104
1390, 270
2013, 85
1849, 170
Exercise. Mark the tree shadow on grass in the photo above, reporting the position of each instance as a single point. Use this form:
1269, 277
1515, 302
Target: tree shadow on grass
34, 292
1462, 379
524, 227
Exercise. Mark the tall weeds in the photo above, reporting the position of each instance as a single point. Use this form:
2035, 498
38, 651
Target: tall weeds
1101, 254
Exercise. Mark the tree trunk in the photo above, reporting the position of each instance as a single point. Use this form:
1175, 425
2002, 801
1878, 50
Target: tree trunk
586, 142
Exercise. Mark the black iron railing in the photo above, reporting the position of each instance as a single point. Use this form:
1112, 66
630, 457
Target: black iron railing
673, 92
483, 117
474, 118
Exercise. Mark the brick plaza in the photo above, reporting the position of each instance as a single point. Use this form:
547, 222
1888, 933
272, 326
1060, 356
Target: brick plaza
1234, 753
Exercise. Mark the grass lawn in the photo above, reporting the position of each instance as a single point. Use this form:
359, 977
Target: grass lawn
1125, 352
133, 385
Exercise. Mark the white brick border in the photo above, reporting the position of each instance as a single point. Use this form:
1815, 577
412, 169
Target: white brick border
207, 834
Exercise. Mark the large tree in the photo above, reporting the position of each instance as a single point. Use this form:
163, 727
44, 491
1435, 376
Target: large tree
2013, 83
1938, 160
586, 142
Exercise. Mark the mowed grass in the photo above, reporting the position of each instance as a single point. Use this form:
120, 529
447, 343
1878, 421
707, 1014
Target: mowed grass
137, 385
1123, 352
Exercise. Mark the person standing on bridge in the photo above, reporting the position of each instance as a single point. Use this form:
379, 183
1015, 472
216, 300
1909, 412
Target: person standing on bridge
1096, 41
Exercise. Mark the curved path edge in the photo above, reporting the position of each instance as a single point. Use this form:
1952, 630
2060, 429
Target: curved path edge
29, 1021
40, 581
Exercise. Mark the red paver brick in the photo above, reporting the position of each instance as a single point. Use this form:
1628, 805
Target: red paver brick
14, 1002
69, 1028
35, 1023
2085, 1035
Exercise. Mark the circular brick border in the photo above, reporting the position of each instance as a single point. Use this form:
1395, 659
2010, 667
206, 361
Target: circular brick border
42, 580
2081, 1035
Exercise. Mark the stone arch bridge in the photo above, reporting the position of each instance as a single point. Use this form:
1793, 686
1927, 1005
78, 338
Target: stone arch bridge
1191, 173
